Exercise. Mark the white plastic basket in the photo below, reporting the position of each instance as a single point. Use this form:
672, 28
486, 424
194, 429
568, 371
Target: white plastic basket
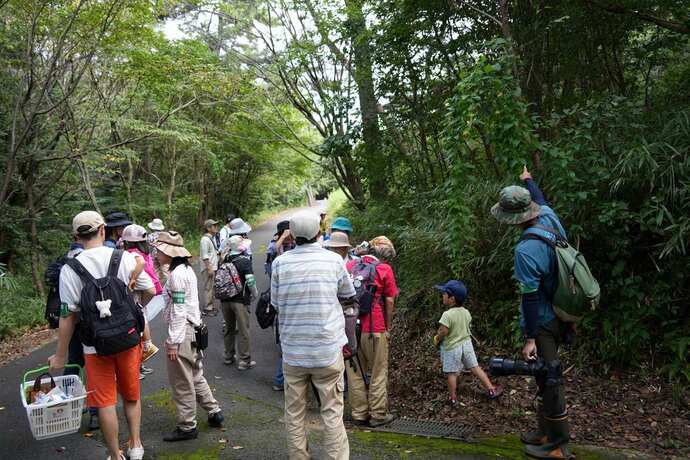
58, 418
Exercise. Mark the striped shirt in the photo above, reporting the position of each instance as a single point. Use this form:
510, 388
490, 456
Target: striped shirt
305, 285
181, 304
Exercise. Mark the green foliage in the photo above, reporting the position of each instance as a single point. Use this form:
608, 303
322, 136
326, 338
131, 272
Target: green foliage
20, 308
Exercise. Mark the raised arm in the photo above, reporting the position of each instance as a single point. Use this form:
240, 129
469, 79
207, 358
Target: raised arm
534, 191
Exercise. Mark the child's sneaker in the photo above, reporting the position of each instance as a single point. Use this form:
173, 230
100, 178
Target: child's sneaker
495, 392
145, 370
149, 352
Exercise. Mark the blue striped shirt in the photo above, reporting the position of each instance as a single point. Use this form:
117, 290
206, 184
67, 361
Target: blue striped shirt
305, 285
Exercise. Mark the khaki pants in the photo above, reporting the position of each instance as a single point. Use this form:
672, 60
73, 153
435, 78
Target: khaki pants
236, 315
330, 384
372, 358
208, 290
188, 385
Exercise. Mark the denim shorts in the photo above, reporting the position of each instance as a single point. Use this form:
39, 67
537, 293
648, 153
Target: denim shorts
459, 358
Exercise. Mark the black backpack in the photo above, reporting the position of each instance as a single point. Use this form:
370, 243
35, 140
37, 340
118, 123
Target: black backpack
52, 279
265, 312
122, 329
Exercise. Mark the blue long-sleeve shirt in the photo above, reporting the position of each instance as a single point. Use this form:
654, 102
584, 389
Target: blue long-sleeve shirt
535, 266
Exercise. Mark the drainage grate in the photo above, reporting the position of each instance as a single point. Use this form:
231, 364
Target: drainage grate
428, 428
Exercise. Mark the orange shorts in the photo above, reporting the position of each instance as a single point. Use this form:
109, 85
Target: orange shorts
108, 375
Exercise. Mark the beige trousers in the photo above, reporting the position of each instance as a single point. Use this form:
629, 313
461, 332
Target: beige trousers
188, 385
236, 315
372, 358
330, 384
208, 290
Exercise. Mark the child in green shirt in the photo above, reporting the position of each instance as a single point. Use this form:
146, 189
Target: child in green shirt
455, 341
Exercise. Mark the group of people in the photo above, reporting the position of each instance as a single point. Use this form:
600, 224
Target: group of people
319, 285
316, 276
128, 267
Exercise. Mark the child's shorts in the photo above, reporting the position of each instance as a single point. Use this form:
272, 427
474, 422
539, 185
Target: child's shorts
459, 358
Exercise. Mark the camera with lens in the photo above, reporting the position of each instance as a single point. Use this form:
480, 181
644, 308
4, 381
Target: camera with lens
537, 368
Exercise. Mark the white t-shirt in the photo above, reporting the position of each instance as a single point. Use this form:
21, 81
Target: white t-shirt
181, 303
96, 261
208, 251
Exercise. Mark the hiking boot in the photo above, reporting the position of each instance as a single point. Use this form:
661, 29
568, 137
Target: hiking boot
376, 422
360, 422
537, 437
495, 392
149, 352
179, 434
93, 423
556, 446
244, 365
216, 419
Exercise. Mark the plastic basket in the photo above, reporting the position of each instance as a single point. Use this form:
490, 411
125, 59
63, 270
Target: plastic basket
57, 418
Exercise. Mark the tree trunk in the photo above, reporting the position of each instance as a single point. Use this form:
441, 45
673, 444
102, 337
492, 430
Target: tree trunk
171, 186
368, 105
33, 229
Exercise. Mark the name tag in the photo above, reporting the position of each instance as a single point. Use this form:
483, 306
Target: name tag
178, 297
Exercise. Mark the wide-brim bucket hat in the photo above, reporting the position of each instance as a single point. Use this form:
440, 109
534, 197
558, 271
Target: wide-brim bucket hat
117, 219
156, 224
515, 206
171, 244
337, 240
239, 226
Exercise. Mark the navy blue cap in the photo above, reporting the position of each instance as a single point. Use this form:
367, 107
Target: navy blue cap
455, 288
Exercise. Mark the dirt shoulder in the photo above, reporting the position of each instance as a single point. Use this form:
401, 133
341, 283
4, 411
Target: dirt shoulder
20, 345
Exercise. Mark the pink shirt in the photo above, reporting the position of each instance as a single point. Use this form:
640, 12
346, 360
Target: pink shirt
148, 268
386, 285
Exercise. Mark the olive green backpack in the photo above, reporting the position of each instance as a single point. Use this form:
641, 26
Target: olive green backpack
578, 291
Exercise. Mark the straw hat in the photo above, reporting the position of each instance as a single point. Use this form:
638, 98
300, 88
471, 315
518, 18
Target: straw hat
171, 244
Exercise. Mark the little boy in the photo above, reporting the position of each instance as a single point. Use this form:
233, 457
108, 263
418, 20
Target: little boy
455, 341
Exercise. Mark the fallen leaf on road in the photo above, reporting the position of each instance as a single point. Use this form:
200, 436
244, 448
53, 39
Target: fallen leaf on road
512, 392
222, 440
218, 376
2, 407
88, 434
237, 447
61, 449
408, 451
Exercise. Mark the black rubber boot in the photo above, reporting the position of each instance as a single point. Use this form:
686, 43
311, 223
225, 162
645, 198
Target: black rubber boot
537, 437
558, 433
181, 435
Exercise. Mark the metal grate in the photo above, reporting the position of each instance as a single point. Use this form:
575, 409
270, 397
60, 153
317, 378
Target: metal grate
428, 428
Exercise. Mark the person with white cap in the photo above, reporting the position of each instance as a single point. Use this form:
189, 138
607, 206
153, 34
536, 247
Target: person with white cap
224, 233
236, 310
185, 368
106, 375
156, 225
135, 241
306, 284
239, 227
209, 263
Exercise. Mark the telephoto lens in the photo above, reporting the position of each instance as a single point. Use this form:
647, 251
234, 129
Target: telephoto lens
505, 366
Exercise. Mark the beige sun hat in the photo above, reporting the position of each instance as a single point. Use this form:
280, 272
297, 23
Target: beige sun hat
337, 240
171, 244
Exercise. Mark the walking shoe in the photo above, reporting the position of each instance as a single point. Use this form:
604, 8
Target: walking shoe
93, 423
496, 392
179, 434
216, 419
376, 422
278, 388
135, 453
229, 361
358, 422
149, 352
145, 370
244, 365
142, 376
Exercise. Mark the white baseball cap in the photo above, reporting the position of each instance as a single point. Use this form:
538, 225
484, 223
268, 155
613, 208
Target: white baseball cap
305, 224
86, 222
